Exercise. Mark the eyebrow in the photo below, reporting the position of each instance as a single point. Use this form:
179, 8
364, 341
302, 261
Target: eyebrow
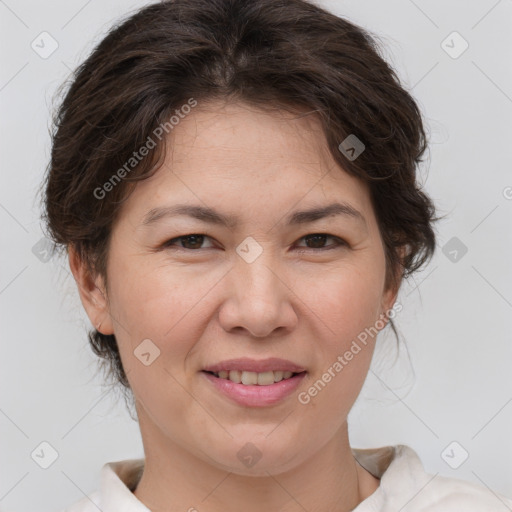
211, 216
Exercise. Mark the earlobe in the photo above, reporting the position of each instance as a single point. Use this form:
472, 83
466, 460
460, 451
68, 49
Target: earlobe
387, 303
92, 293
390, 296
391, 293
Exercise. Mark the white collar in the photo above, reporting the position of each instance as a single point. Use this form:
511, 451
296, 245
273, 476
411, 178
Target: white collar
404, 485
119, 479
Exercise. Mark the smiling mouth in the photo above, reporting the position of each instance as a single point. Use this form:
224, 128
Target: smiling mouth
254, 378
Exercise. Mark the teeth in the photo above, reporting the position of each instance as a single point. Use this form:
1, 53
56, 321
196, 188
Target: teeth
278, 376
249, 378
253, 378
265, 378
234, 375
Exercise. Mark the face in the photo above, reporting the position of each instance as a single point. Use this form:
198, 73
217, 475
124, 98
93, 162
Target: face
269, 284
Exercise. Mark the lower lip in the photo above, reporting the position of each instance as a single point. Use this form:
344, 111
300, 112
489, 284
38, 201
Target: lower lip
256, 396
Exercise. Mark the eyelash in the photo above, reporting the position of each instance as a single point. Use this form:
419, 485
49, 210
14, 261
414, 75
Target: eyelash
339, 242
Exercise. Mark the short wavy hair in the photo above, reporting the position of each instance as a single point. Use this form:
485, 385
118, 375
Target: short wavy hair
287, 54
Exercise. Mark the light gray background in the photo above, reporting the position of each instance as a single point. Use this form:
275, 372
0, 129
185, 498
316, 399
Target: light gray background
456, 314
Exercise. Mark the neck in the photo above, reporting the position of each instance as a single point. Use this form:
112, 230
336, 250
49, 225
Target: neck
331, 480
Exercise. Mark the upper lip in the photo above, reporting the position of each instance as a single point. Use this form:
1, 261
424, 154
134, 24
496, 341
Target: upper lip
255, 365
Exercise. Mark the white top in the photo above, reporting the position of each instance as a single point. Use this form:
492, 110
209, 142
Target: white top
404, 486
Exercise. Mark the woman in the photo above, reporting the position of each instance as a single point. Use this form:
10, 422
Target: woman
234, 182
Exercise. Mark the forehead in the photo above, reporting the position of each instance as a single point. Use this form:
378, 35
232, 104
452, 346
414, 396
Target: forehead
246, 136
241, 157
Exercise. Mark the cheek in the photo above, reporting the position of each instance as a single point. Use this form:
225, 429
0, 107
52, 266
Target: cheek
345, 301
152, 297
345, 307
167, 305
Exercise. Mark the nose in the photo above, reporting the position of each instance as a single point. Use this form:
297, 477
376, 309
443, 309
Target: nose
258, 299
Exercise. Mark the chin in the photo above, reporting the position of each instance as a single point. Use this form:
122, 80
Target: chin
259, 456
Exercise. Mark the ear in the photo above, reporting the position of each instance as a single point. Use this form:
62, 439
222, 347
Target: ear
92, 292
389, 296
388, 299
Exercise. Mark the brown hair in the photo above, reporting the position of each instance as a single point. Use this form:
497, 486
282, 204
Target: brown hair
290, 54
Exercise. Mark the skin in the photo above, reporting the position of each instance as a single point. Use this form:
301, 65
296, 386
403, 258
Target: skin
202, 304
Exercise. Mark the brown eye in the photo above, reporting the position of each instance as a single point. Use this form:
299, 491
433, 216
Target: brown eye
317, 241
188, 242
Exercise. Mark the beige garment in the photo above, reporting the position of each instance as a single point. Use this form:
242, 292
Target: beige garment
404, 486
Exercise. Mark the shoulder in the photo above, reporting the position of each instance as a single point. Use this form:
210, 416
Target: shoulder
117, 479
447, 494
428, 492
406, 486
